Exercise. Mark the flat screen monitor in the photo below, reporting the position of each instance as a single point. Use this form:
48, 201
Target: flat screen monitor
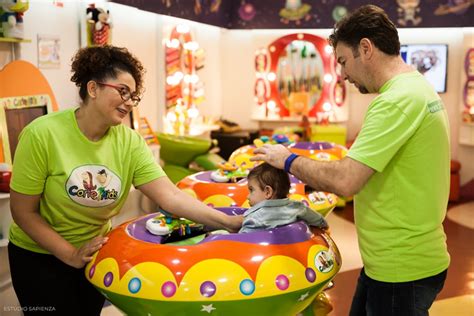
431, 60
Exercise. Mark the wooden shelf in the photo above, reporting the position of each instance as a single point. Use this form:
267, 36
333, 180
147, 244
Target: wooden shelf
281, 119
14, 40
290, 119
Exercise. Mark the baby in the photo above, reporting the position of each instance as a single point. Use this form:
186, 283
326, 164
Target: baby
270, 206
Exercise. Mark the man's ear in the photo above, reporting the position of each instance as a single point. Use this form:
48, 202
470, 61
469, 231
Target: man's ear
366, 48
92, 89
268, 192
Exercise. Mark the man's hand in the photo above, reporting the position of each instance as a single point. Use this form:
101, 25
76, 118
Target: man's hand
274, 155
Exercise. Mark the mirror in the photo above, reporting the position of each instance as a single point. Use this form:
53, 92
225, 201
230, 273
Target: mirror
299, 77
296, 76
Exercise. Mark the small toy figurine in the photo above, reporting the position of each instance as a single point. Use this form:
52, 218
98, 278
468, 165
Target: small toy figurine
407, 11
229, 172
295, 11
12, 17
99, 26
164, 225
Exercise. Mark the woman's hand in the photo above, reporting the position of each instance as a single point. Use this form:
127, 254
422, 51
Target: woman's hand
234, 223
81, 256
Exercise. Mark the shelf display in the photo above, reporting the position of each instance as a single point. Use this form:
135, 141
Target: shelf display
11, 15
184, 90
99, 26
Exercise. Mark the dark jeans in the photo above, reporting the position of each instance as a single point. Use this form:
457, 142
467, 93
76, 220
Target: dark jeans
46, 285
414, 298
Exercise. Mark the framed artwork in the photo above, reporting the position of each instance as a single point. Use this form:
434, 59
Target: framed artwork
49, 52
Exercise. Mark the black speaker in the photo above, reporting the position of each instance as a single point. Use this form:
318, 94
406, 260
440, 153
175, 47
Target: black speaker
228, 142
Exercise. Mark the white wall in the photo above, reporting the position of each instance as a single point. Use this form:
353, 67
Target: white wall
139, 32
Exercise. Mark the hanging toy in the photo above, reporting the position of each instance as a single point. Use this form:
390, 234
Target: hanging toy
99, 26
12, 17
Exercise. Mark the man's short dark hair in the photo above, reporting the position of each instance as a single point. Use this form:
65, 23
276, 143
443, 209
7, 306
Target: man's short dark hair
275, 178
368, 21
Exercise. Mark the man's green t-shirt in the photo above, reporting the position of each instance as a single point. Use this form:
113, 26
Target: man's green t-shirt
399, 212
82, 183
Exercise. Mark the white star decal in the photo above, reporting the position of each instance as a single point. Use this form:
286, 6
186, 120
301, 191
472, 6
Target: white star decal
207, 308
303, 297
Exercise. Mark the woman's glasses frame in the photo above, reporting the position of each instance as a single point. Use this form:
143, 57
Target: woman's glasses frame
124, 92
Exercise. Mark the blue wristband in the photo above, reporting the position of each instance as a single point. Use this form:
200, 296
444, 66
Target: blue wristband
289, 161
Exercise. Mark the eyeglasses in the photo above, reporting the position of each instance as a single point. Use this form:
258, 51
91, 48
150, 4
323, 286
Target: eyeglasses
124, 92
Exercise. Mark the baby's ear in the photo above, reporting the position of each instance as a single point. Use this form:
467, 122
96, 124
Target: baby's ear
268, 191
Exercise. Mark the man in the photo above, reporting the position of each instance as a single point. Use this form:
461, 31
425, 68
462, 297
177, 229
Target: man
398, 170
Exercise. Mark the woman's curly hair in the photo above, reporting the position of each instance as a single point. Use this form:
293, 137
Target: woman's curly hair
99, 63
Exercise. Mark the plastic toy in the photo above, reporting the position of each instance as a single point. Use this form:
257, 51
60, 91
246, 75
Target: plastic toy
241, 156
12, 17
225, 194
98, 26
322, 151
214, 193
165, 225
280, 270
228, 172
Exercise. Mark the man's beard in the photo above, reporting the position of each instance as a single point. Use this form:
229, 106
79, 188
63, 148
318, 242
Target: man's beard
363, 90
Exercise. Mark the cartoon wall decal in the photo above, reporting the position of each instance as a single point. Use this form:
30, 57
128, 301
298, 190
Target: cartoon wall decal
407, 12
237, 14
295, 11
454, 6
339, 12
247, 11
208, 6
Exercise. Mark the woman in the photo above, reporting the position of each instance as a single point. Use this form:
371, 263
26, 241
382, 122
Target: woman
71, 174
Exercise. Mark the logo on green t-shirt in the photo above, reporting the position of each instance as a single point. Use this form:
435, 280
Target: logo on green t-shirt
93, 185
435, 106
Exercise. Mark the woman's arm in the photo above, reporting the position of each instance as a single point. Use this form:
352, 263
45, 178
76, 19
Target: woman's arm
25, 213
171, 199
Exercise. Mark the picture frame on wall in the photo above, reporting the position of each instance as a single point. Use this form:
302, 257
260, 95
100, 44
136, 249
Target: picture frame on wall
49, 52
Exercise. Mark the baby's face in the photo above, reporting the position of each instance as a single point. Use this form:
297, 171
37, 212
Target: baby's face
256, 194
